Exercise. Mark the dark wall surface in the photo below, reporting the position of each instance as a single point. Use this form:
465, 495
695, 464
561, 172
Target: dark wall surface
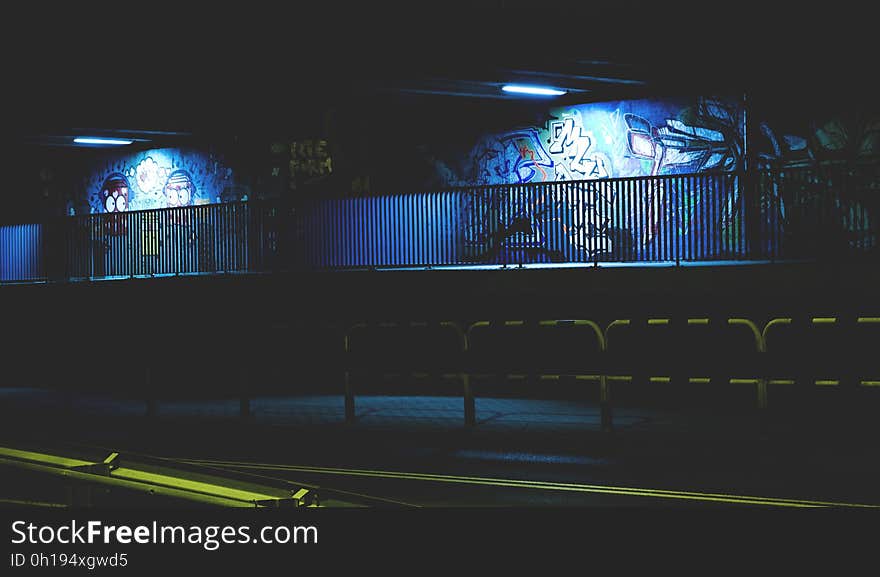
198, 333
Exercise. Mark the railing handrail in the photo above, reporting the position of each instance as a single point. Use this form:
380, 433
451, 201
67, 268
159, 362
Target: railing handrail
684, 217
506, 186
243, 203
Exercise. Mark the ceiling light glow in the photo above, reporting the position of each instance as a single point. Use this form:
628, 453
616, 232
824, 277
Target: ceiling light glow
533, 90
96, 140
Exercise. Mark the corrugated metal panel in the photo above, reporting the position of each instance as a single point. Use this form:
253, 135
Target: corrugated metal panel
21, 253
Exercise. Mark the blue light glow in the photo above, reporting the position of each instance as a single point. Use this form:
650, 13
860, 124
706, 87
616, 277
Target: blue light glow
21, 253
542, 458
533, 90
106, 141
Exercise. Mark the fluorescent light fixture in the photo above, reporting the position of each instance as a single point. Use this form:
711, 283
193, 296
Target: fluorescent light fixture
107, 141
535, 90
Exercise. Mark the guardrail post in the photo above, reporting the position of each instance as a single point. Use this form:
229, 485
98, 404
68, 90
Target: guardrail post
761, 348
470, 409
762, 383
244, 401
605, 410
605, 387
349, 398
607, 422
762, 393
349, 391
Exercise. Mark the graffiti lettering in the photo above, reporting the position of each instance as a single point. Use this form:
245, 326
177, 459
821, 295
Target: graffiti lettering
569, 140
637, 138
528, 156
310, 158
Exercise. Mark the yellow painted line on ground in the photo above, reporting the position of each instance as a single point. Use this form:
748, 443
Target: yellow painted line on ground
824, 320
619, 378
698, 321
43, 458
871, 383
868, 320
744, 381
32, 503
660, 379
780, 382
658, 321
827, 383
549, 377
543, 485
588, 377
338, 491
189, 485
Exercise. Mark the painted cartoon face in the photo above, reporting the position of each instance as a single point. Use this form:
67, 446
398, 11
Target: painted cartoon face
179, 189
114, 194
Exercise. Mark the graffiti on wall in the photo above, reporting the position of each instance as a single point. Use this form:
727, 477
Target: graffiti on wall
572, 147
114, 193
592, 142
172, 179
159, 178
310, 161
795, 186
712, 141
595, 142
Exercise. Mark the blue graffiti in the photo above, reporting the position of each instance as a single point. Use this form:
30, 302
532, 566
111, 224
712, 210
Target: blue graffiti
515, 157
158, 178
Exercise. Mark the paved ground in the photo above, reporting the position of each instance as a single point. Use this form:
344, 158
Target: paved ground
416, 450
388, 412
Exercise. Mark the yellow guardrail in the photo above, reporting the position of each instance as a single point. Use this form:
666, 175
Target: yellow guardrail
469, 404
604, 339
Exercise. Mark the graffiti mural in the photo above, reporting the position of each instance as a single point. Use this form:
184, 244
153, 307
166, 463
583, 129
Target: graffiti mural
159, 178
593, 142
114, 194
795, 182
310, 161
150, 179
572, 146
179, 189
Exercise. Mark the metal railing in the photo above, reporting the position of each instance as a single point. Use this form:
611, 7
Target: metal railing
661, 218
803, 213
602, 358
22, 253
208, 239
818, 211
